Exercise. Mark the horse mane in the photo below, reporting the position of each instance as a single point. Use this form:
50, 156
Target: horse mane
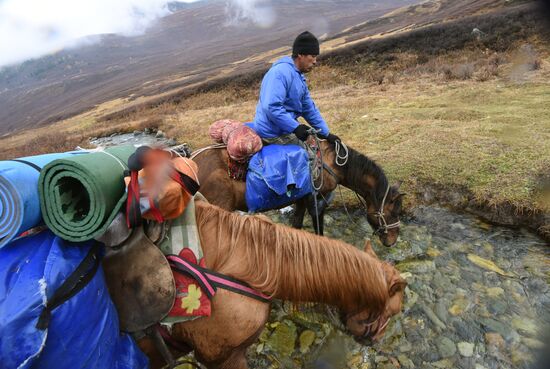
293, 265
357, 166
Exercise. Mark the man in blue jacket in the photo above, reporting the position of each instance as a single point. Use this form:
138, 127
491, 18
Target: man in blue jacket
284, 97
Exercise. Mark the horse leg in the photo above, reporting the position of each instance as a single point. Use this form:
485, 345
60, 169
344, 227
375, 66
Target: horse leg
318, 212
237, 359
220, 340
298, 218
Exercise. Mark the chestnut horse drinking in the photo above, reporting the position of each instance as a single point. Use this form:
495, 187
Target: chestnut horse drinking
359, 173
286, 264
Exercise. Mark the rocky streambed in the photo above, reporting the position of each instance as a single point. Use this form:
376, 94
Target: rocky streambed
478, 297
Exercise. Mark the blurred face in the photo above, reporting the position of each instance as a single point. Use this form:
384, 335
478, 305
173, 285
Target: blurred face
305, 63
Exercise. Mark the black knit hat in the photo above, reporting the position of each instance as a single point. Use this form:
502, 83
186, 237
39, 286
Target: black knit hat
305, 44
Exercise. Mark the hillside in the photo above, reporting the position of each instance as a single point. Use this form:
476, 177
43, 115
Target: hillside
194, 43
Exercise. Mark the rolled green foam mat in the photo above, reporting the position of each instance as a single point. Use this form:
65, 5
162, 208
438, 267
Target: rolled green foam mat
80, 196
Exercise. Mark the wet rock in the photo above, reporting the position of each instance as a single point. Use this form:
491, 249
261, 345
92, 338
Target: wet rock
328, 220
525, 326
465, 331
495, 344
443, 364
137, 133
532, 343
441, 311
306, 339
497, 307
405, 346
416, 266
159, 134
465, 363
433, 318
445, 347
466, 349
405, 361
492, 325
171, 142
147, 131
282, 339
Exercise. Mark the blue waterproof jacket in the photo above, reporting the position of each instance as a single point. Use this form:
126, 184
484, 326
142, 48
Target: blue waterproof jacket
284, 97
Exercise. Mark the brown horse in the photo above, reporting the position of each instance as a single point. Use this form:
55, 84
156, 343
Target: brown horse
359, 173
286, 264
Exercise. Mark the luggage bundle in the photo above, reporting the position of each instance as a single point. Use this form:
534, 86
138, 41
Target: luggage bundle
55, 307
242, 141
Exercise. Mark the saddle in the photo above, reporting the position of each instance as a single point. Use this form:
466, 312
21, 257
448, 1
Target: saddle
140, 282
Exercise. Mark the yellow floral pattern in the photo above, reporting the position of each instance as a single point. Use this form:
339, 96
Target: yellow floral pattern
191, 302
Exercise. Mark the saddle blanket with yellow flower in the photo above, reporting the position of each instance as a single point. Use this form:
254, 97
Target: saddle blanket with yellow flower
195, 285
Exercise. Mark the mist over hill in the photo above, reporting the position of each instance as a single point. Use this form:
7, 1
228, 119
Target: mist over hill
196, 41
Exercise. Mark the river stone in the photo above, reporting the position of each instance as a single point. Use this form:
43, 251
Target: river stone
416, 266
497, 307
532, 343
525, 326
405, 361
443, 364
441, 311
466, 349
466, 331
446, 347
492, 325
283, 338
405, 346
159, 134
495, 344
137, 133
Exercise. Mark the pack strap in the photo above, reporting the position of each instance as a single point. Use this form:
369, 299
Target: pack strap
76, 281
32, 165
213, 280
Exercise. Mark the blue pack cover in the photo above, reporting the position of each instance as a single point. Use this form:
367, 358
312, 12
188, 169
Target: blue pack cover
277, 176
19, 201
83, 332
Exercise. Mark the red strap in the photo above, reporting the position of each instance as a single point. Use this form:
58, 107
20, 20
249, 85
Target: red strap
133, 212
155, 211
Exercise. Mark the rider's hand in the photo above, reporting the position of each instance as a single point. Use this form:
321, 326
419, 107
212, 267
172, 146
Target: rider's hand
332, 138
301, 132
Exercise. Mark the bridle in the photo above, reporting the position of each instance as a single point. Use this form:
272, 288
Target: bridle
342, 155
383, 226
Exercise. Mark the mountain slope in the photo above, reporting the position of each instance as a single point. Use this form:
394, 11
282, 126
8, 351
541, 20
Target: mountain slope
186, 47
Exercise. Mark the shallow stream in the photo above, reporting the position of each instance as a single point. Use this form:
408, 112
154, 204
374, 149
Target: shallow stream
478, 297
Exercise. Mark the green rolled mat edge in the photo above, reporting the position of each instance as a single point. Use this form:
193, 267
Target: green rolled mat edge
101, 174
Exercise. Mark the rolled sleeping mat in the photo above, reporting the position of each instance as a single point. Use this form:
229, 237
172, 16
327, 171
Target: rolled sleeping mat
80, 196
19, 200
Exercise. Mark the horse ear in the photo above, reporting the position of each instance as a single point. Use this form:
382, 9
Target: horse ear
369, 250
397, 185
397, 284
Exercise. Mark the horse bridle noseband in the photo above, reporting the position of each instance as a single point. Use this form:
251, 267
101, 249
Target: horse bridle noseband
383, 226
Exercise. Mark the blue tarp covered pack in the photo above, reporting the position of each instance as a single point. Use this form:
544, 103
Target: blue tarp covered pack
277, 176
80, 327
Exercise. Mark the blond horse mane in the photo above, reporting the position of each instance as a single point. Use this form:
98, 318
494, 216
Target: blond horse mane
290, 264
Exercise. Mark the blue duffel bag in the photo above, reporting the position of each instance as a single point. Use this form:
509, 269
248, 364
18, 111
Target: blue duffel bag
55, 310
278, 175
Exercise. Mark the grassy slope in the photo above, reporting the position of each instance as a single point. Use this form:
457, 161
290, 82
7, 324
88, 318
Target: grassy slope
464, 118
